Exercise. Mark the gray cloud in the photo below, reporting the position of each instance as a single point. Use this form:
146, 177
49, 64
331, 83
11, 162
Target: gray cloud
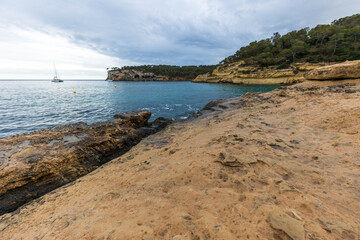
181, 32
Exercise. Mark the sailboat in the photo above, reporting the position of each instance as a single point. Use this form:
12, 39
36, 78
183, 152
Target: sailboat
56, 78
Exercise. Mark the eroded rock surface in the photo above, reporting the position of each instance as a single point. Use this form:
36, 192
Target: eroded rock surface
292, 227
346, 70
220, 176
239, 73
36, 163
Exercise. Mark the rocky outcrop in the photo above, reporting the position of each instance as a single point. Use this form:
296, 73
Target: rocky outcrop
239, 73
292, 227
340, 228
36, 163
277, 165
346, 70
137, 75
131, 75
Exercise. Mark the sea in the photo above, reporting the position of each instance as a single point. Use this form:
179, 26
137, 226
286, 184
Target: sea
29, 105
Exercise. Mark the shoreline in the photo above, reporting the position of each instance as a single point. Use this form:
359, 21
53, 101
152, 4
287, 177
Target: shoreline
33, 164
273, 163
121, 99
13, 196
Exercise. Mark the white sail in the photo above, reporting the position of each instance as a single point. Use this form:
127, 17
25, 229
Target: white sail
56, 78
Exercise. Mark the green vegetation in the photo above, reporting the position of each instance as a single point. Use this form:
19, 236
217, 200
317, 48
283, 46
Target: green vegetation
189, 72
338, 41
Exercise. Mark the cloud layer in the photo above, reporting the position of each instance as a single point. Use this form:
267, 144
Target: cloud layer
86, 36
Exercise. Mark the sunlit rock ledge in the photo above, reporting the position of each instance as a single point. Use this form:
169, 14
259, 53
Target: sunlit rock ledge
239, 73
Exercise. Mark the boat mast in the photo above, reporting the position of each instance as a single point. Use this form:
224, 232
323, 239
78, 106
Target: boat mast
55, 71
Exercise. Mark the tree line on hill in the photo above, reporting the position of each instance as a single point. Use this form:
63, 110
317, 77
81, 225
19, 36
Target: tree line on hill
172, 71
338, 41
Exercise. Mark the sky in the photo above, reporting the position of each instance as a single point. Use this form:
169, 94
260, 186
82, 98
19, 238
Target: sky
84, 37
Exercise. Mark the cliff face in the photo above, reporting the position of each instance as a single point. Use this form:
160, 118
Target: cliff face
240, 74
136, 75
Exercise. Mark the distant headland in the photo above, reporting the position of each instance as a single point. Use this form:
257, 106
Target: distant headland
157, 72
275, 60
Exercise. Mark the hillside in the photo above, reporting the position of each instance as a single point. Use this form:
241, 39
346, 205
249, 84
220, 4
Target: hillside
335, 42
286, 59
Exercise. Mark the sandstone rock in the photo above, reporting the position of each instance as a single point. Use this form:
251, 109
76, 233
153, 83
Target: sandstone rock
201, 77
261, 199
38, 162
130, 75
346, 70
292, 227
239, 73
334, 226
285, 187
230, 160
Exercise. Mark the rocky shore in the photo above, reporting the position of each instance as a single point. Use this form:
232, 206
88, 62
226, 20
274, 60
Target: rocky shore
36, 163
239, 73
278, 165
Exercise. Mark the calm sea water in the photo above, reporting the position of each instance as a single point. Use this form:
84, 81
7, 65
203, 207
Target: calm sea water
30, 105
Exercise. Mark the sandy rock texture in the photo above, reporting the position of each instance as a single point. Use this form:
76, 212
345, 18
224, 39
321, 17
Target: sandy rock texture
239, 73
345, 70
36, 163
278, 165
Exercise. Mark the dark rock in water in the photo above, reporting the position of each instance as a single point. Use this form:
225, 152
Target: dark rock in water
143, 114
35, 163
141, 117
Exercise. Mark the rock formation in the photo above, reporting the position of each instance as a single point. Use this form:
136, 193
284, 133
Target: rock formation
346, 70
294, 228
36, 163
254, 75
277, 165
137, 75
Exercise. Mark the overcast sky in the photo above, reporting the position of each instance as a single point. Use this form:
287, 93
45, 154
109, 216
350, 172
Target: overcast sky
84, 37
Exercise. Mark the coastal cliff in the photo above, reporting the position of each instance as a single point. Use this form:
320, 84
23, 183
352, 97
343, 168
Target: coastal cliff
283, 59
137, 75
240, 73
276, 165
157, 72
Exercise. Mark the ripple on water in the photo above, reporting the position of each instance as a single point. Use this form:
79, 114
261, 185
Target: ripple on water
30, 105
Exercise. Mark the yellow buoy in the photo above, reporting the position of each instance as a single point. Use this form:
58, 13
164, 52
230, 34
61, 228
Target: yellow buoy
74, 91
114, 86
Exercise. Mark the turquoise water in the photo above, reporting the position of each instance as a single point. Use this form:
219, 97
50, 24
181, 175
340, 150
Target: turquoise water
30, 105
